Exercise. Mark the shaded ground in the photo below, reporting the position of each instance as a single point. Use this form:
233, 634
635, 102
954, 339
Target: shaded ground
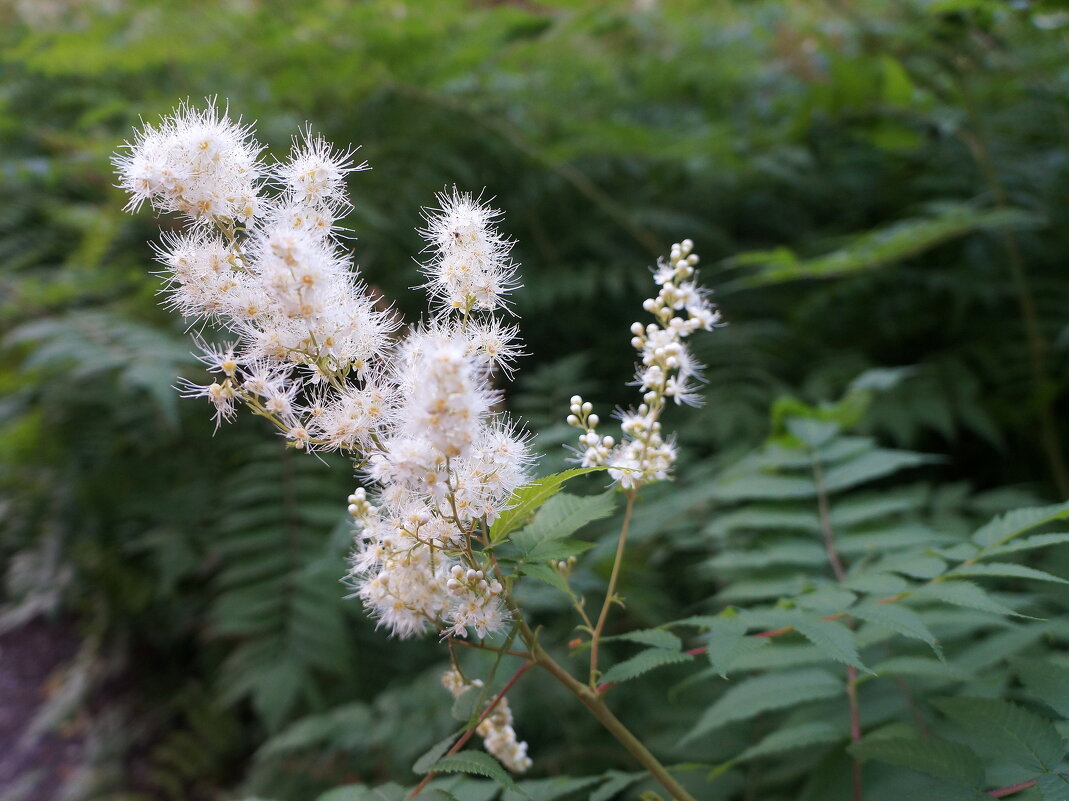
33, 771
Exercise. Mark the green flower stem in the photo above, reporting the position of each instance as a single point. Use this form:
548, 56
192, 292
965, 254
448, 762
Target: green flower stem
610, 593
592, 700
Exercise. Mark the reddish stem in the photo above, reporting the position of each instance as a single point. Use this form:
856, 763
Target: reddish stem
1002, 792
486, 713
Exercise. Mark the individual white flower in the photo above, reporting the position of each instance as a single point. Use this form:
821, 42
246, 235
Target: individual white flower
221, 395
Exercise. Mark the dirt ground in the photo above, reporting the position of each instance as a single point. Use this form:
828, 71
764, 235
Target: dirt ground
29, 656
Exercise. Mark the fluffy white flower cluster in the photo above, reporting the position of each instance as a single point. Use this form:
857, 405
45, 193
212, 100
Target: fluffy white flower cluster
499, 737
665, 370
316, 355
469, 267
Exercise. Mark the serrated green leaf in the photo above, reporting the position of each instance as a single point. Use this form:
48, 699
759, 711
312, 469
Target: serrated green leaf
878, 583
552, 550
932, 756
550, 789
1047, 681
1053, 786
827, 599
546, 573
434, 753
762, 518
726, 635
814, 433
1027, 544
1010, 731
762, 486
617, 783
830, 638
564, 514
1013, 524
657, 638
804, 735
772, 691
916, 565
1005, 569
643, 662
870, 466
529, 498
964, 593
897, 618
480, 764
920, 666
795, 552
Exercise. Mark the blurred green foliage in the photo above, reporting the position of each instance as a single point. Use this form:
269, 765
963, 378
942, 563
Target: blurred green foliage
878, 189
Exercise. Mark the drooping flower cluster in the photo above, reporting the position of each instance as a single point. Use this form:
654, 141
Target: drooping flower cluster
316, 355
666, 369
499, 737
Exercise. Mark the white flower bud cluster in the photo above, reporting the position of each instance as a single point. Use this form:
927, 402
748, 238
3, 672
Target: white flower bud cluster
260, 255
359, 506
665, 370
499, 737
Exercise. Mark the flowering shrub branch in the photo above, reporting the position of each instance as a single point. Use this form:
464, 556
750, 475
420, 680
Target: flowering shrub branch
314, 353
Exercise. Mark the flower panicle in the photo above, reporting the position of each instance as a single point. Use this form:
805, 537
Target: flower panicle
665, 370
312, 351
